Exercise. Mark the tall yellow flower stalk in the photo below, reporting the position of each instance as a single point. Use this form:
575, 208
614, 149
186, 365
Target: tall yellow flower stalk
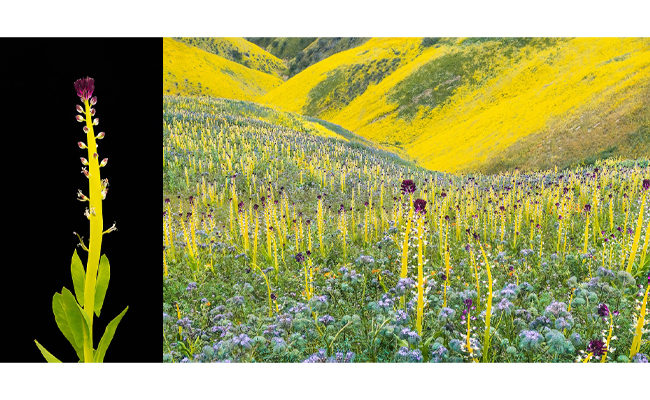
74, 314
419, 207
320, 221
639, 225
408, 188
638, 332
488, 309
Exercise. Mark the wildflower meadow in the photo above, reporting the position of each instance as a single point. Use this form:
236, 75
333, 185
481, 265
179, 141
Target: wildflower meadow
288, 239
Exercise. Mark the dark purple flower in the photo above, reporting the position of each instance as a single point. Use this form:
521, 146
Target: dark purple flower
603, 310
420, 206
587, 207
646, 184
85, 88
408, 186
597, 347
300, 258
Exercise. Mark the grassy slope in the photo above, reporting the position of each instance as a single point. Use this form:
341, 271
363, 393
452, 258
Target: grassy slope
485, 104
325, 87
300, 53
240, 51
188, 70
285, 48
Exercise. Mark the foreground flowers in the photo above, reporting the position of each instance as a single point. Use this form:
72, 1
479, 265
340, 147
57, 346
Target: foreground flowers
416, 266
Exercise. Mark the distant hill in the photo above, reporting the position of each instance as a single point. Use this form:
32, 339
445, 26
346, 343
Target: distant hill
240, 51
188, 70
485, 103
300, 53
285, 48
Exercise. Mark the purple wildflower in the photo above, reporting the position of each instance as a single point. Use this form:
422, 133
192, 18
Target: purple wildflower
419, 206
85, 88
603, 310
597, 347
408, 186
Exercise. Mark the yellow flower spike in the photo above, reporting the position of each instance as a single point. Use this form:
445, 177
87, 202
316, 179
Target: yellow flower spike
637, 235
91, 283
638, 332
488, 310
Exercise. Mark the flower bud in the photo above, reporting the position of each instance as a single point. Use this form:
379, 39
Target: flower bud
79, 118
82, 145
93, 100
86, 129
83, 161
100, 135
96, 121
82, 197
104, 162
92, 111
80, 109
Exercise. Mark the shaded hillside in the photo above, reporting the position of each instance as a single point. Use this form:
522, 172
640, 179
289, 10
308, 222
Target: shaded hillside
300, 53
285, 48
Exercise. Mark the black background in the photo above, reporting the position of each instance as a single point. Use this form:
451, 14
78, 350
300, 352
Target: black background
41, 173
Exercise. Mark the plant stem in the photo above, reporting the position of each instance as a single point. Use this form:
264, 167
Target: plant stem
96, 229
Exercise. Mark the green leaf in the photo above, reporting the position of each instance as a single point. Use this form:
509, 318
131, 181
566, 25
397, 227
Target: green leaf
48, 356
104, 275
78, 277
70, 319
108, 337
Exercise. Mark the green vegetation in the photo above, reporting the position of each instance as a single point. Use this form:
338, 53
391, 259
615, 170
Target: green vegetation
345, 83
320, 49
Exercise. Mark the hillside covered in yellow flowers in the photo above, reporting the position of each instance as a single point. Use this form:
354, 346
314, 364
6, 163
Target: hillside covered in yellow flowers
461, 104
189, 70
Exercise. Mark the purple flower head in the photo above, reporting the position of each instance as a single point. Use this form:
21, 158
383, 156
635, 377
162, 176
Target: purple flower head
597, 347
587, 207
419, 206
85, 88
300, 258
603, 310
646, 184
243, 340
408, 186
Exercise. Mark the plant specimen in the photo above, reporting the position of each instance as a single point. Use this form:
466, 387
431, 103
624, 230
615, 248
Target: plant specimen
74, 313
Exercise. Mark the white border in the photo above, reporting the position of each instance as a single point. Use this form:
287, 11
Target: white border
325, 18
323, 381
